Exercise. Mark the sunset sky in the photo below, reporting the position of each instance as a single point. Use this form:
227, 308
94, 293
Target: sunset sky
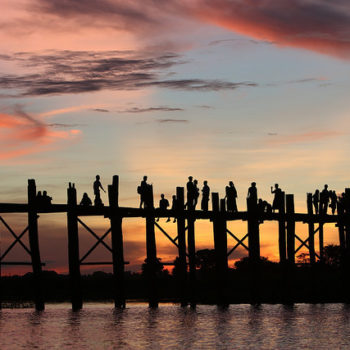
222, 90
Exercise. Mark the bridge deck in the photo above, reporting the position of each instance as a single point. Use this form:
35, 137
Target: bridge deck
128, 212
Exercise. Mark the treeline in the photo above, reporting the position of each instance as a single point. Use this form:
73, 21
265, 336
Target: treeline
271, 283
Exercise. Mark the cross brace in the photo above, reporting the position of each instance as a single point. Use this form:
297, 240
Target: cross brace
10, 247
239, 242
100, 240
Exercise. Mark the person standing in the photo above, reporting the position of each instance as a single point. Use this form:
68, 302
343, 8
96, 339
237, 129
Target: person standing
205, 196
277, 201
142, 190
231, 195
97, 186
252, 193
324, 200
190, 193
316, 201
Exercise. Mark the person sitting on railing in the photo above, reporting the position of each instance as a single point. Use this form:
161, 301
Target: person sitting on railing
85, 201
39, 199
46, 200
163, 205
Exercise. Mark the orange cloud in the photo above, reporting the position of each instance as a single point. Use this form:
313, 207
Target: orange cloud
21, 134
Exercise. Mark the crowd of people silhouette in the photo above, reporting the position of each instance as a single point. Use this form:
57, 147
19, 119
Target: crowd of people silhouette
321, 199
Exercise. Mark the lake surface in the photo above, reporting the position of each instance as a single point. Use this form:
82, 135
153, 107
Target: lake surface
99, 326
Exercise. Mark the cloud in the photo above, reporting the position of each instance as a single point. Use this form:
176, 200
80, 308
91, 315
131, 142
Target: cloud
310, 136
199, 84
152, 109
22, 134
318, 25
70, 72
172, 120
102, 110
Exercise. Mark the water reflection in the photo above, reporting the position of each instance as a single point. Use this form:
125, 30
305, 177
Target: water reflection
99, 326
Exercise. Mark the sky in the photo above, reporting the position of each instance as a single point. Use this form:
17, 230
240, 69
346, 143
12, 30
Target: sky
223, 90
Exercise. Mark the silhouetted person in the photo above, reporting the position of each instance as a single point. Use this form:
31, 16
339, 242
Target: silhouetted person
144, 190
268, 207
174, 206
316, 201
46, 200
97, 186
190, 193
261, 208
324, 199
278, 199
205, 196
195, 193
252, 193
163, 204
231, 195
39, 198
334, 199
85, 201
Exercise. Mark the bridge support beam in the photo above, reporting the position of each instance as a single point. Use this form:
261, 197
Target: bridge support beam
117, 244
73, 249
181, 234
152, 263
34, 245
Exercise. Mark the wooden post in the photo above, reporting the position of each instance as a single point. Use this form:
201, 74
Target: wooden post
347, 222
152, 263
311, 230
34, 245
220, 237
254, 250
341, 229
73, 249
321, 240
181, 233
191, 256
282, 230
290, 229
253, 231
117, 244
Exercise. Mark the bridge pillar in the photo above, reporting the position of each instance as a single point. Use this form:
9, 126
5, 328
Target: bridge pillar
117, 244
34, 245
73, 249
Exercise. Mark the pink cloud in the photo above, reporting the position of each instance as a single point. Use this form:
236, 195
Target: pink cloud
21, 134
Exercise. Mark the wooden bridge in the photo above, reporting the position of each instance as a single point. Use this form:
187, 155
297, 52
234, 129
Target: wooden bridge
289, 242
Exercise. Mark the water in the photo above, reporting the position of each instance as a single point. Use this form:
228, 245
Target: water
98, 326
